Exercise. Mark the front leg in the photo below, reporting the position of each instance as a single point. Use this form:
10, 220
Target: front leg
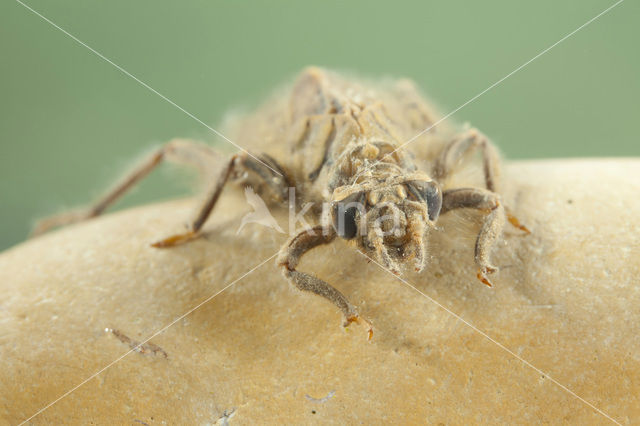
489, 203
289, 258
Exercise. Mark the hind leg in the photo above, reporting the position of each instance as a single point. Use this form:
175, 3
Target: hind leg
178, 150
263, 170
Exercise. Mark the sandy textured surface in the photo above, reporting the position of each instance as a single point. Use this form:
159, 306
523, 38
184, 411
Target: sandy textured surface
567, 300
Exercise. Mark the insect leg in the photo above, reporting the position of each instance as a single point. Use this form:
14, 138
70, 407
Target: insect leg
489, 203
455, 150
376, 238
416, 228
289, 258
461, 145
265, 174
177, 150
238, 165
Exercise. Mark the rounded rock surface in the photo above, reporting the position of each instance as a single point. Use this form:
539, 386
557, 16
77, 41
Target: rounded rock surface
555, 340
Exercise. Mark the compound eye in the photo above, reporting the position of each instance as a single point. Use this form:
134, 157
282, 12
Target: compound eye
347, 228
345, 216
430, 194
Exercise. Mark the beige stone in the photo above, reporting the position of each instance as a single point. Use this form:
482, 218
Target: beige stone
567, 301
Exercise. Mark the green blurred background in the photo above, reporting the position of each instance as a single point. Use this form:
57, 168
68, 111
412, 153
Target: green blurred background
70, 122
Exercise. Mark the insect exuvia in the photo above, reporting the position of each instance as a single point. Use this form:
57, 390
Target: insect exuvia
341, 143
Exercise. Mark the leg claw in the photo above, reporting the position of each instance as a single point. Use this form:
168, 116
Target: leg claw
515, 222
359, 320
175, 240
482, 275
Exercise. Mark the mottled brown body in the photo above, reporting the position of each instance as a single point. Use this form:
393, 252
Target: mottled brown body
312, 126
341, 143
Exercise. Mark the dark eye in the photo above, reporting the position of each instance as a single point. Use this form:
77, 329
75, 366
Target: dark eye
347, 228
345, 214
430, 194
